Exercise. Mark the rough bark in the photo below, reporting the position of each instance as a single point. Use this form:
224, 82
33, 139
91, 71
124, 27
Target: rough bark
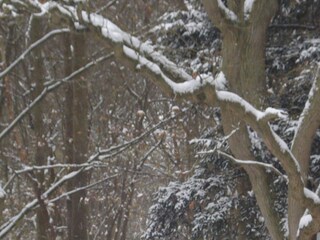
37, 75
76, 135
301, 149
243, 54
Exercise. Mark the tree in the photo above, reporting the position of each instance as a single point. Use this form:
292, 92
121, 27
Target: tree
76, 135
243, 26
44, 230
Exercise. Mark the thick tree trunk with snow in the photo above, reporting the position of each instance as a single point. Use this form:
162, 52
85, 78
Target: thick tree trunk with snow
243, 53
76, 135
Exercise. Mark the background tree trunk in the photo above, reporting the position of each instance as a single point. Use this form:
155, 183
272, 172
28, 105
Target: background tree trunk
76, 134
37, 77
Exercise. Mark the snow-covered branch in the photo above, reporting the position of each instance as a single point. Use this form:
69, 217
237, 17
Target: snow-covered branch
28, 169
102, 154
140, 55
31, 47
308, 124
215, 13
248, 5
252, 162
66, 194
114, 150
265, 116
259, 121
228, 14
6, 227
309, 222
49, 88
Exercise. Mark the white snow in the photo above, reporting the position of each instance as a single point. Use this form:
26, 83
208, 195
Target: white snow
184, 87
307, 53
167, 26
273, 112
314, 91
2, 193
284, 147
232, 97
305, 221
111, 31
220, 81
311, 195
230, 15
175, 109
248, 4
141, 113
115, 34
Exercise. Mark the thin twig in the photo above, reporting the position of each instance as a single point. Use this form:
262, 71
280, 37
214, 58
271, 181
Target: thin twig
48, 89
251, 162
66, 194
31, 47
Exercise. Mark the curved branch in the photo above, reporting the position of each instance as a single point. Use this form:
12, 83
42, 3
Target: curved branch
6, 227
253, 163
31, 47
308, 124
218, 13
46, 90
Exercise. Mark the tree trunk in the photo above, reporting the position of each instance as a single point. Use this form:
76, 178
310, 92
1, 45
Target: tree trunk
37, 76
76, 135
243, 54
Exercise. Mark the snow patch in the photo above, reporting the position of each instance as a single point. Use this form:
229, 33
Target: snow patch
232, 97
220, 81
305, 221
248, 4
275, 112
2, 193
230, 15
311, 195
188, 86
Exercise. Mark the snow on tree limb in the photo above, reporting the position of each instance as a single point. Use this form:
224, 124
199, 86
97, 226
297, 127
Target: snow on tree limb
6, 227
230, 15
308, 124
304, 222
67, 194
248, 5
9, 225
49, 88
31, 47
252, 162
267, 115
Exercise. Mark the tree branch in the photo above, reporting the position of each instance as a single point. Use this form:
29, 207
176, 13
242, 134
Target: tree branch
66, 194
31, 47
6, 227
309, 122
215, 15
50, 88
252, 162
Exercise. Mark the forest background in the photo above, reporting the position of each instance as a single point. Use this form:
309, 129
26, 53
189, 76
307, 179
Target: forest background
159, 119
